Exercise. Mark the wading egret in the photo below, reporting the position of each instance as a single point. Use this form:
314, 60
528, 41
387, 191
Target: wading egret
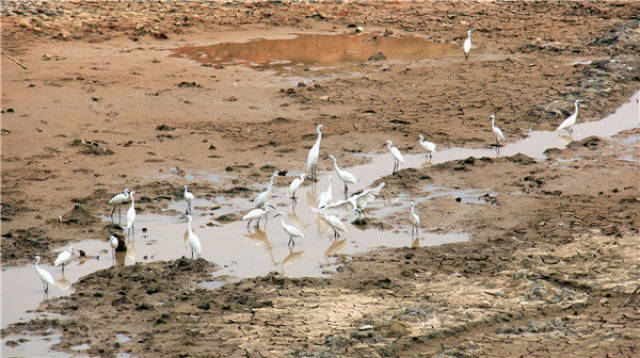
497, 131
356, 202
257, 214
263, 197
188, 197
291, 230
467, 45
44, 275
325, 197
428, 147
336, 224
117, 200
194, 241
113, 242
397, 156
414, 219
293, 187
312, 158
64, 257
131, 214
345, 176
568, 123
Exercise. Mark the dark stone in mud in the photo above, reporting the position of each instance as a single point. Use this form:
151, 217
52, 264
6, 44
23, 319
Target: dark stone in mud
591, 142
378, 57
280, 120
185, 84
79, 216
236, 190
164, 127
267, 168
227, 218
91, 148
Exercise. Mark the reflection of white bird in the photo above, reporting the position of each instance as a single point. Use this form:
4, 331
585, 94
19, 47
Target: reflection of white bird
497, 131
117, 200
571, 120
397, 156
64, 257
45, 276
194, 241
188, 197
312, 158
113, 242
467, 45
325, 197
345, 176
414, 219
263, 197
257, 214
293, 187
428, 147
293, 231
335, 223
131, 214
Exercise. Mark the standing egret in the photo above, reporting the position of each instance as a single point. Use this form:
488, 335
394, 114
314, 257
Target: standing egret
414, 219
568, 123
131, 214
326, 196
194, 241
45, 276
257, 214
335, 223
293, 231
397, 156
429, 147
497, 131
312, 158
64, 257
467, 45
113, 242
263, 197
293, 187
188, 197
117, 200
345, 176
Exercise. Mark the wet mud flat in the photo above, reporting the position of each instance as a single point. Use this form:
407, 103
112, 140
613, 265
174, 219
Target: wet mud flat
550, 269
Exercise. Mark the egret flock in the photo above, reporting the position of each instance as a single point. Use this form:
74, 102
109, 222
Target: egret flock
324, 200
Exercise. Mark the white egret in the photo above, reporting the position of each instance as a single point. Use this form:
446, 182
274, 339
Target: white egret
45, 276
117, 200
356, 202
113, 242
497, 131
188, 197
428, 147
64, 257
293, 187
335, 223
263, 197
194, 241
312, 158
345, 176
257, 214
568, 123
131, 214
414, 219
325, 197
467, 45
397, 156
293, 231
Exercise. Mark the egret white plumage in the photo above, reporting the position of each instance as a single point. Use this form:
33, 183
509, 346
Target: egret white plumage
429, 147
345, 176
336, 224
325, 197
467, 45
257, 214
496, 131
64, 257
131, 214
291, 230
414, 219
356, 202
397, 156
193, 239
117, 200
293, 187
44, 275
568, 123
263, 197
113, 242
188, 197
312, 157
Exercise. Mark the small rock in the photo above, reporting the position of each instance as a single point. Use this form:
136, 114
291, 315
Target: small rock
323, 98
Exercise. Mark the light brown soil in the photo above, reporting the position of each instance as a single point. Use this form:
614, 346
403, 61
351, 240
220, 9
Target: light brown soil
553, 267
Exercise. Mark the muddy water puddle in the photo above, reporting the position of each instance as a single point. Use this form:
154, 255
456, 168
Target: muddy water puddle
316, 50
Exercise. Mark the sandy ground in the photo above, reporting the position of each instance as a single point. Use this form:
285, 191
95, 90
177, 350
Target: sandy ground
553, 265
